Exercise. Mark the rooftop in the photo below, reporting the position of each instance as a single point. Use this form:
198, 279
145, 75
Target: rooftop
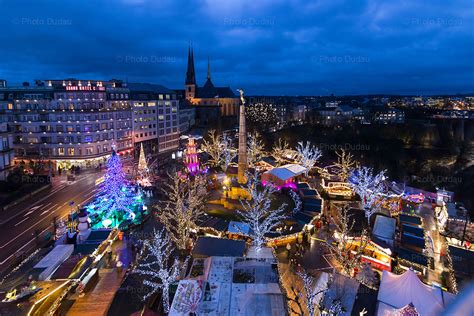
210, 246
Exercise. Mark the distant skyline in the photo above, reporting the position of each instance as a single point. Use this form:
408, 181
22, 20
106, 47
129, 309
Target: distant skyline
267, 47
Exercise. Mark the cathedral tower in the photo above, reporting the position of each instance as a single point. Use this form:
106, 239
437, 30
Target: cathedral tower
190, 77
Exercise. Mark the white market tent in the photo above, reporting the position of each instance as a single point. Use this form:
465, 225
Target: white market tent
53, 260
397, 291
384, 228
288, 171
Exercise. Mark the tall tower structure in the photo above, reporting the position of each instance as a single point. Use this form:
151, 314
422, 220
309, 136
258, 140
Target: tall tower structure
190, 83
242, 163
191, 159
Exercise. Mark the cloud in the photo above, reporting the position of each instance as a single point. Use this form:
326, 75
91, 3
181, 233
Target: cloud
269, 46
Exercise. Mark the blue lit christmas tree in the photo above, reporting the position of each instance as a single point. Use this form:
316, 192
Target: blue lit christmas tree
115, 185
118, 202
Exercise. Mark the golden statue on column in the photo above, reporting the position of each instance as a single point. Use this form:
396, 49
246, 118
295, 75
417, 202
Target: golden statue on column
242, 163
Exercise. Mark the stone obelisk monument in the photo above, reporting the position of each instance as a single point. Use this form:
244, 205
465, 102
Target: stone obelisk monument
242, 169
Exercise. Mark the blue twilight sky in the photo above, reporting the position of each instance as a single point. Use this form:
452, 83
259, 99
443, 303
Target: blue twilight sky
275, 47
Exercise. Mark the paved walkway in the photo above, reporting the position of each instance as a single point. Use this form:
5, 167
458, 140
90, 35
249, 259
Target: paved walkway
430, 225
97, 301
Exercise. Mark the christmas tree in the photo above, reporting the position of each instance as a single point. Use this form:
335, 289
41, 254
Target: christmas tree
142, 165
118, 202
143, 177
115, 184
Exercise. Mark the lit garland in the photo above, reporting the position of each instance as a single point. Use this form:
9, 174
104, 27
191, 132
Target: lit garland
261, 113
297, 201
452, 278
19, 265
427, 247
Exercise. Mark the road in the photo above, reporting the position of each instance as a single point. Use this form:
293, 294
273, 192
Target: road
36, 215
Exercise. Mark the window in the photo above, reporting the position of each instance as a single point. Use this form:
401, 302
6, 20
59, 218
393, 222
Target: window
59, 128
70, 151
61, 151
70, 128
89, 151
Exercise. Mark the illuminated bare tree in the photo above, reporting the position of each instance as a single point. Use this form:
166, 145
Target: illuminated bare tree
220, 148
310, 296
228, 152
339, 249
212, 146
184, 207
281, 151
369, 187
308, 155
257, 212
158, 266
345, 164
255, 148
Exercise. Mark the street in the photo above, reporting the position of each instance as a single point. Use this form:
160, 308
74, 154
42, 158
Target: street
35, 216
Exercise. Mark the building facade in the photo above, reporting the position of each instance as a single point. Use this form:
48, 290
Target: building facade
187, 118
79, 122
389, 116
6, 150
155, 119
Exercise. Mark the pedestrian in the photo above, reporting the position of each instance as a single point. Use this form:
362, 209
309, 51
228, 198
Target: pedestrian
109, 254
119, 267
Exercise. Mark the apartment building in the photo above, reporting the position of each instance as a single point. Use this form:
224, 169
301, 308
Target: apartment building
155, 119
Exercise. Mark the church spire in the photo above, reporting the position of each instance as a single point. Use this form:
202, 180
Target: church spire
190, 75
208, 69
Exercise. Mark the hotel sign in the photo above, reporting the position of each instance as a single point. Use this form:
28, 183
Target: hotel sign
84, 88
